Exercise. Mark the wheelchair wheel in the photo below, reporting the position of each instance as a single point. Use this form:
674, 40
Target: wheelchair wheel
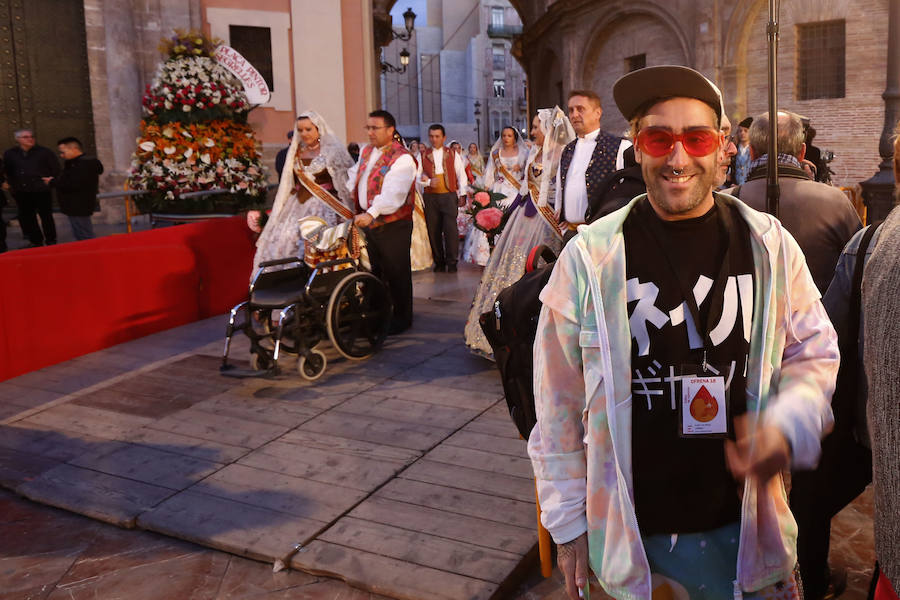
313, 366
260, 362
358, 315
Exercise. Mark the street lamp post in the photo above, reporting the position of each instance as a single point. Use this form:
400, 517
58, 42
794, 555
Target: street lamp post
478, 123
387, 67
878, 191
409, 21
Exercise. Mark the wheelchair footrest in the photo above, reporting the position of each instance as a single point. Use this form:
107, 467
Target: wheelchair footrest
245, 373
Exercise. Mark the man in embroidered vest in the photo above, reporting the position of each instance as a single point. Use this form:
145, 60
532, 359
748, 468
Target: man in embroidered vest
683, 359
444, 182
384, 193
586, 160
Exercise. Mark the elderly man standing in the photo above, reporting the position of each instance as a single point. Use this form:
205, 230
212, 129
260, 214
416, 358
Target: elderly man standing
26, 165
586, 160
682, 360
384, 193
820, 217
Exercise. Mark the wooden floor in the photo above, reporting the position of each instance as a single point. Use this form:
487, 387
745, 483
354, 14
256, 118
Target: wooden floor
402, 475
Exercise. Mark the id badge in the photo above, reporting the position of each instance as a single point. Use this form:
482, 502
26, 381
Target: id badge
704, 410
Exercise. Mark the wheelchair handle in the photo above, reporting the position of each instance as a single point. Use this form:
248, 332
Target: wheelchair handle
279, 261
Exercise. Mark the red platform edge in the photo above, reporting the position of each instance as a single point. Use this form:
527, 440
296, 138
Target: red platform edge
64, 301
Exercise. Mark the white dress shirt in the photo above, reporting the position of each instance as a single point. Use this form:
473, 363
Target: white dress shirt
576, 198
394, 188
462, 179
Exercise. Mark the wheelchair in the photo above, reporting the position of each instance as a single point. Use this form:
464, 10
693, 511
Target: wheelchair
293, 305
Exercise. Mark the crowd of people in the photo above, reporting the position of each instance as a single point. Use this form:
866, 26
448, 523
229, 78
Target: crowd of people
691, 349
684, 359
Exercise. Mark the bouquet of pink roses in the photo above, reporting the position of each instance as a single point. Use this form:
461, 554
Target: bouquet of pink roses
487, 216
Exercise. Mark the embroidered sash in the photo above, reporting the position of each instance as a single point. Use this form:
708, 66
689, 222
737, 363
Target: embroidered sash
498, 164
417, 206
322, 194
543, 208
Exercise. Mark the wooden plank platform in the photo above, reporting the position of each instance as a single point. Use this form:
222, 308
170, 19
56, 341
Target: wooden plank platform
109, 498
405, 478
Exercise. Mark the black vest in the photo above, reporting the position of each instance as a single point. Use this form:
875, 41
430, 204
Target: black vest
602, 163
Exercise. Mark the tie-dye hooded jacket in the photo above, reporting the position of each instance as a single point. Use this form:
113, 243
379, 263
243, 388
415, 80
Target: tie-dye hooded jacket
581, 446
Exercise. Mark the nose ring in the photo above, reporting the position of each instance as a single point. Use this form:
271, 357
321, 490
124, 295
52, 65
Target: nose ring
677, 172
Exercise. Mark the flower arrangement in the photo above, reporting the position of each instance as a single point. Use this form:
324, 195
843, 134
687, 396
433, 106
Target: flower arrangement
197, 156
194, 89
191, 43
194, 135
487, 216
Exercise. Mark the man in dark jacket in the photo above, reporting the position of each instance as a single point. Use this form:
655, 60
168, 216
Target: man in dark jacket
26, 165
822, 220
820, 217
77, 186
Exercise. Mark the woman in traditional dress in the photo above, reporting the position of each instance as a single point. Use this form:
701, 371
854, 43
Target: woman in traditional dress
318, 163
419, 248
531, 221
504, 175
475, 163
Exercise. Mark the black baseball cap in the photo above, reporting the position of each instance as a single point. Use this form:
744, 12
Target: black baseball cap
634, 90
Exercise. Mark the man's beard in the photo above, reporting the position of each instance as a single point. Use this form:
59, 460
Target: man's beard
681, 202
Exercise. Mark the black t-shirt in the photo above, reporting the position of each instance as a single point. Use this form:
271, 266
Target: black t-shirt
683, 485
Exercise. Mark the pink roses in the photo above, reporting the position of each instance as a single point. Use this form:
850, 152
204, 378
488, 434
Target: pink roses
482, 198
489, 218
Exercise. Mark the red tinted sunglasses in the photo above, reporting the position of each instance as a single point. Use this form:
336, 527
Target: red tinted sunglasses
658, 142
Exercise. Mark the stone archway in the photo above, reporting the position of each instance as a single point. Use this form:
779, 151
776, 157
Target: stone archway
551, 92
621, 36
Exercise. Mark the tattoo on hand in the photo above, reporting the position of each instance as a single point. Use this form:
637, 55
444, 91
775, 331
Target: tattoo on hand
566, 550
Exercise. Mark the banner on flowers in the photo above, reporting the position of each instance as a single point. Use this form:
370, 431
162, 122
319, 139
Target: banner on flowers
255, 86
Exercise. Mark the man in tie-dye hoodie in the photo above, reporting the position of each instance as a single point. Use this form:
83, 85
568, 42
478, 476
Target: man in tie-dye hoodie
683, 360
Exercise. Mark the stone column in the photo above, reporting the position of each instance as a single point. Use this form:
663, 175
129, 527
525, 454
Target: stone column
878, 191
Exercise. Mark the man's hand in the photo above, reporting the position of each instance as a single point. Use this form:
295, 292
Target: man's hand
771, 452
809, 167
363, 219
572, 558
5, 186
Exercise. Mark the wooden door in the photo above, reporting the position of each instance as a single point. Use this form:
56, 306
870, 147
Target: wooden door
44, 76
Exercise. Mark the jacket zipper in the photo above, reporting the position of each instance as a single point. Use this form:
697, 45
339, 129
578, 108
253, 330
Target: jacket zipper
603, 334
767, 308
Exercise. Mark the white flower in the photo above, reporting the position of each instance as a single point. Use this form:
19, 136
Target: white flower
147, 146
209, 143
186, 107
169, 149
188, 152
205, 158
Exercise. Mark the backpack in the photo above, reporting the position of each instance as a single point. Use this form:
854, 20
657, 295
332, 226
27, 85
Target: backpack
510, 329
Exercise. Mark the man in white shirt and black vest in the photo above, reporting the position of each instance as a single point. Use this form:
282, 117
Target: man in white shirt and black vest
444, 182
384, 195
586, 160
